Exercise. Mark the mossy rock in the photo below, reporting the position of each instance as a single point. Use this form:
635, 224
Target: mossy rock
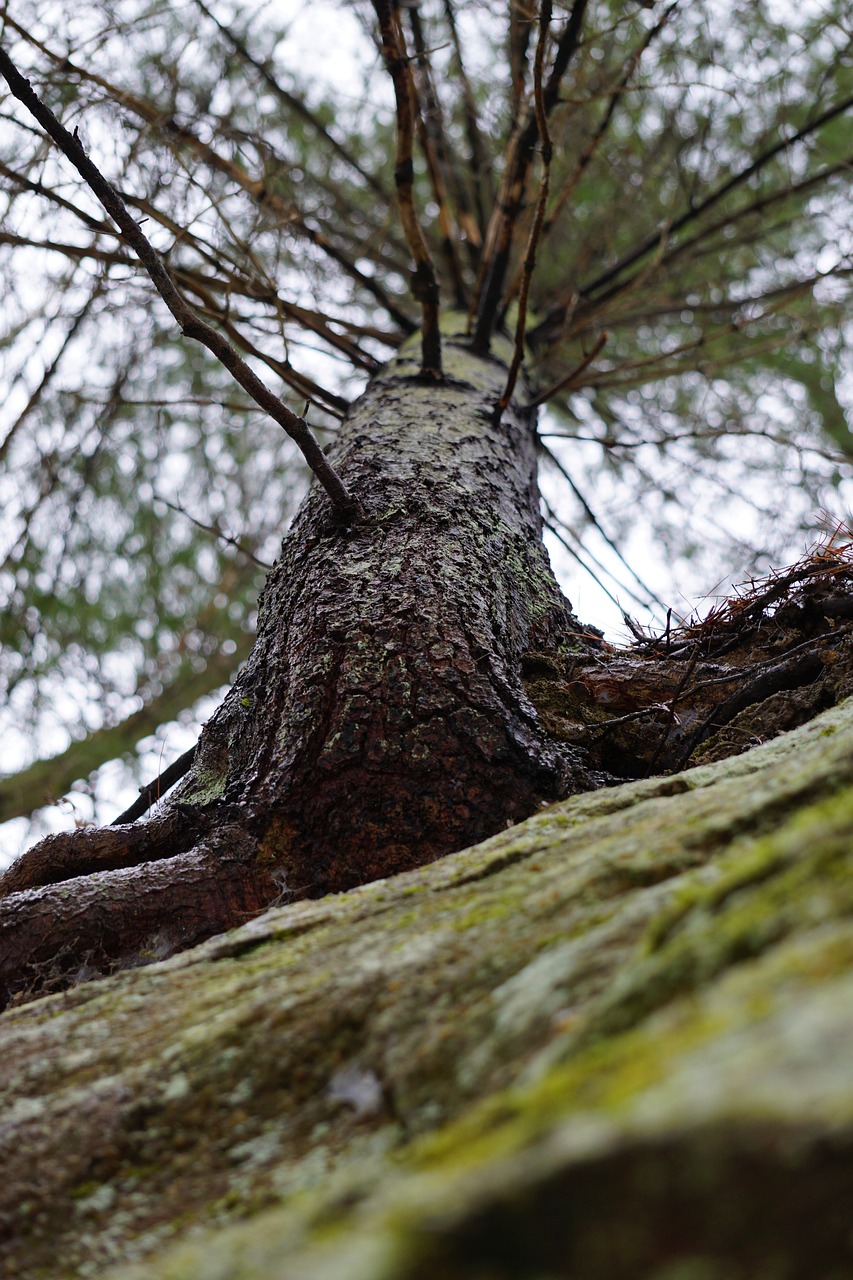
615, 1041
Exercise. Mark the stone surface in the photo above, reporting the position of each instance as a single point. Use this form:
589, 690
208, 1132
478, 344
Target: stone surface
613, 1041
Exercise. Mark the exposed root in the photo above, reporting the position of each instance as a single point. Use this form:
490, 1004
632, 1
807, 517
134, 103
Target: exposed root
766, 660
92, 849
60, 934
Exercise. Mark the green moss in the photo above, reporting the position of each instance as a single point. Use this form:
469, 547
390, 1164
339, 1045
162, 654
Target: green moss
622, 968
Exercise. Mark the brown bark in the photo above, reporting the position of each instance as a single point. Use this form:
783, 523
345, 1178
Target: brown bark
59, 934
382, 720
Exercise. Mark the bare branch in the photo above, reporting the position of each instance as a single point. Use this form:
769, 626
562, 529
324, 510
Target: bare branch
536, 229
520, 27
568, 382
296, 104
593, 143
434, 147
511, 197
736, 180
594, 521
478, 157
424, 283
191, 326
181, 135
153, 791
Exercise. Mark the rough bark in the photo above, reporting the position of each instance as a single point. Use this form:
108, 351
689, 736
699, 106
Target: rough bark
382, 719
611, 1043
418, 682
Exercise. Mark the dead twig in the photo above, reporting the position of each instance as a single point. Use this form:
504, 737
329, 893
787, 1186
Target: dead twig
536, 229
153, 791
567, 382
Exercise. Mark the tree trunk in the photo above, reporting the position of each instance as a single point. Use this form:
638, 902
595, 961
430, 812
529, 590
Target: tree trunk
418, 684
381, 720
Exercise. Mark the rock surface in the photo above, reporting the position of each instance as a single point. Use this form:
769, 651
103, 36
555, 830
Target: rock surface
614, 1041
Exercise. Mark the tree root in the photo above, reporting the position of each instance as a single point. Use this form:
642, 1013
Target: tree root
92, 849
59, 934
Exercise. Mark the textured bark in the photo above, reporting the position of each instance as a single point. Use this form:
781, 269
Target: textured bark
612, 1043
121, 917
382, 720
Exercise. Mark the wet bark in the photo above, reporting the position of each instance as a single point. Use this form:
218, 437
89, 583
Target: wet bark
418, 684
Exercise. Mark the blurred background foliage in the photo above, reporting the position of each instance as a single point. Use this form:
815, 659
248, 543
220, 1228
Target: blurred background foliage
690, 316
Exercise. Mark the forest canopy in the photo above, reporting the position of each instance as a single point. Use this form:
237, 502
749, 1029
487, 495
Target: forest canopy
686, 317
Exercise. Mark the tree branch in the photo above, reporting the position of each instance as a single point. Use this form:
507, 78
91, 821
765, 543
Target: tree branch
424, 283
295, 104
536, 229
45, 781
736, 180
478, 159
434, 147
178, 133
591, 146
190, 324
152, 791
510, 201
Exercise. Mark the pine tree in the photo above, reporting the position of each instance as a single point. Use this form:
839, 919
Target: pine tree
632, 214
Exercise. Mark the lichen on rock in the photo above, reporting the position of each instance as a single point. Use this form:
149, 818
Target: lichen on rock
613, 1041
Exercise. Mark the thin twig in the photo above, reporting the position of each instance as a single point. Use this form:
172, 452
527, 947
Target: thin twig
593, 519
567, 382
434, 147
511, 197
214, 530
190, 324
576, 556
294, 103
152, 791
552, 522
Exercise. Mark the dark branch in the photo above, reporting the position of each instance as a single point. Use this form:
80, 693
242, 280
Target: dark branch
511, 197
190, 323
424, 283
436, 153
295, 104
536, 229
478, 157
153, 791
719, 193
